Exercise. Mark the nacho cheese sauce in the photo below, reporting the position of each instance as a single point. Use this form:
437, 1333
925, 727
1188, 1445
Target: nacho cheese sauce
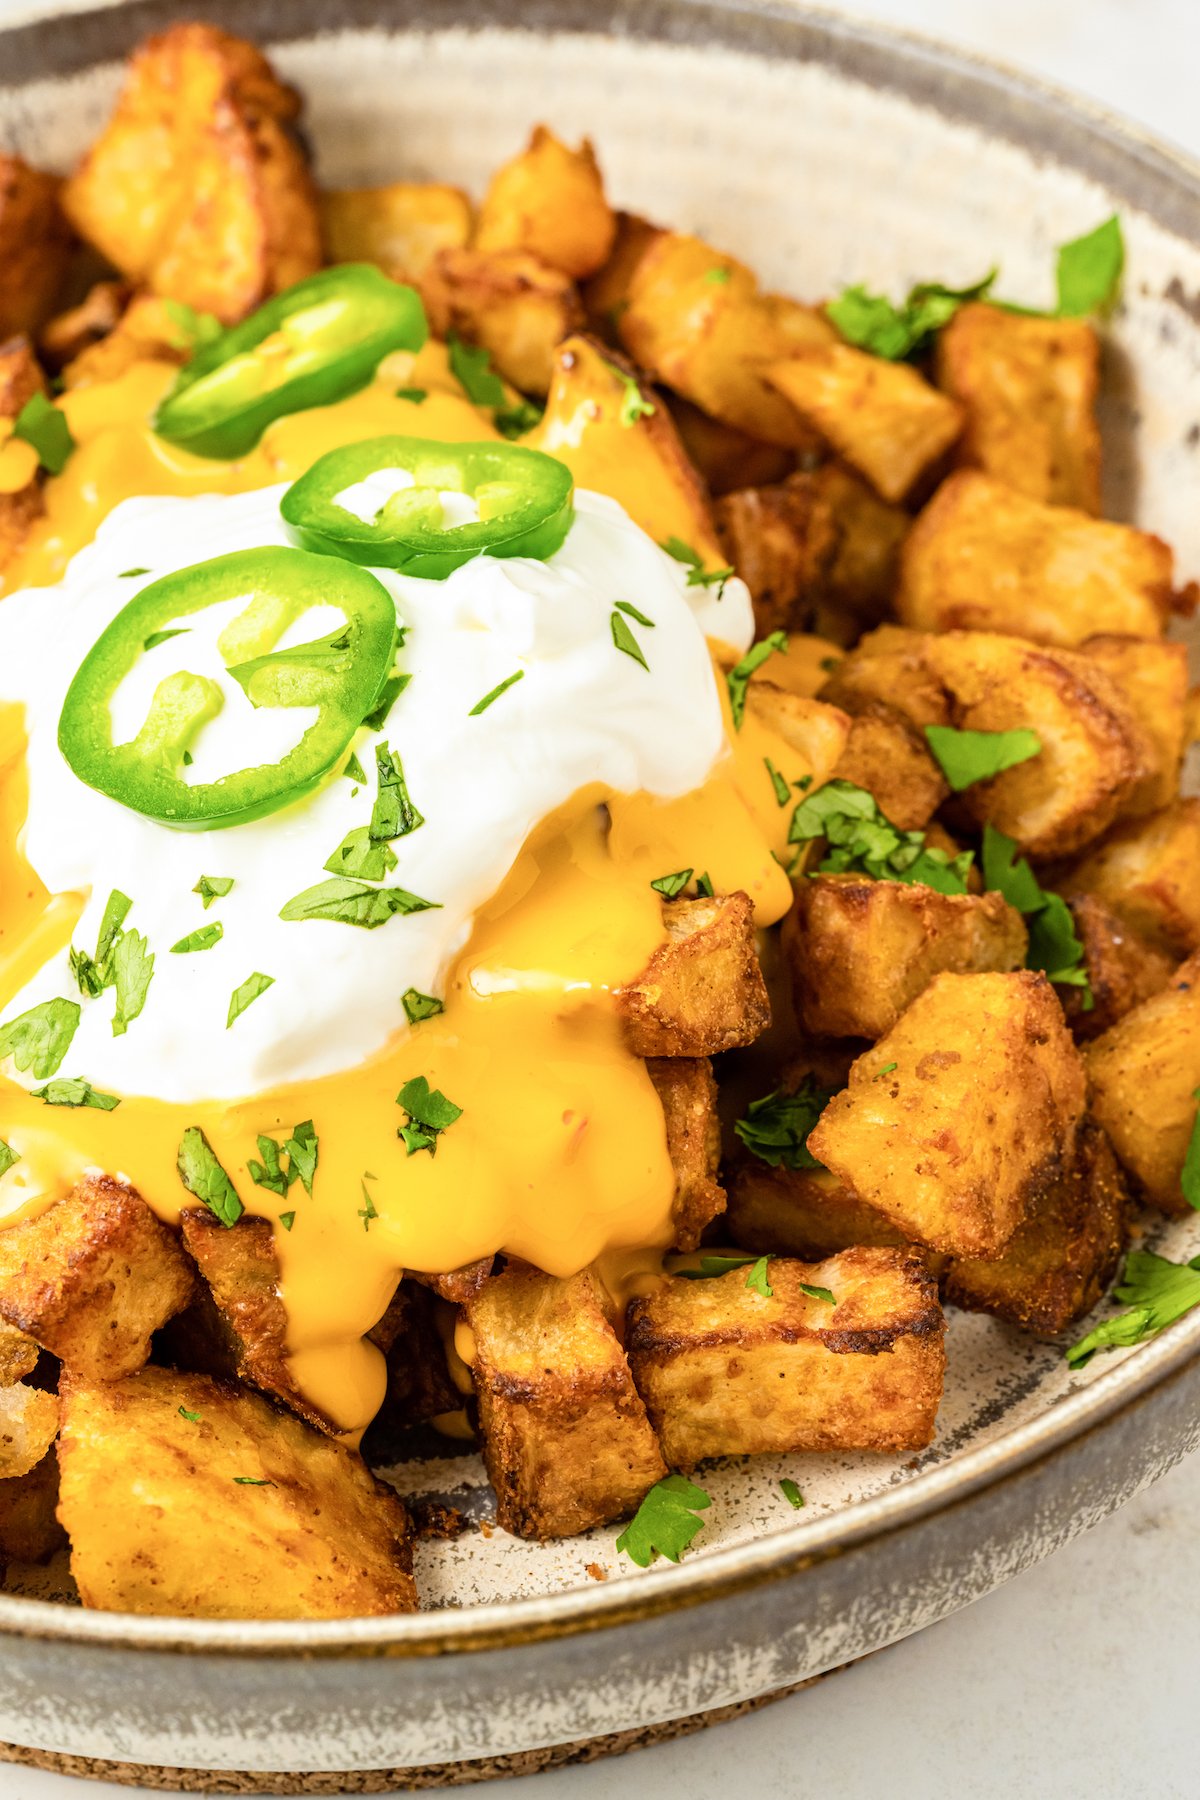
546, 817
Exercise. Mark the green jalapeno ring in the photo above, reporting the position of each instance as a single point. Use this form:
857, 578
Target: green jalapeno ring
341, 675
526, 500
334, 329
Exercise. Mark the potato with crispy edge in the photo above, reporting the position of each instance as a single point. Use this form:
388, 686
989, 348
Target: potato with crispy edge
1028, 388
68, 334
727, 459
29, 1527
517, 308
807, 1213
703, 990
35, 246
888, 666
566, 1438
1151, 676
93, 1277
28, 1427
549, 201
419, 1384
979, 1095
888, 756
18, 1355
688, 1093
882, 417
145, 332
400, 228
783, 542
870, 532
860, 951
1148, 873
606, 294
1144, 1073
197, 188
191, 1497
1122, 968
727, 1371
982, 557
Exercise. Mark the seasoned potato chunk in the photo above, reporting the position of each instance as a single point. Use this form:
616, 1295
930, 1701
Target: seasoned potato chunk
20, 484
518, 308
703, 991
860, 951
550, 201
985, 558
68, 334
1028, 388
188, 1496
801, 1212
1144, 1074
144, 332
727, 459
29, 1527
961, 1113
419, 1382
400, 228
93, 1277
888, 665
566, 1438
886, 754
35, 244
882, 417
1148, 873
725, 1371
28, 1427
1123, 969
870, 533
815, 735
783, 542
1092, 746
688, 1093
1151, 676
18, 1355
198, 188
606, 294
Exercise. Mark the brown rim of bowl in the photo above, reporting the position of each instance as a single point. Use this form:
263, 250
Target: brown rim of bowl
1054, 125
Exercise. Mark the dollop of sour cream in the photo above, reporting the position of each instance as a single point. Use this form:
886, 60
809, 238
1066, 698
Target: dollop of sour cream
584, 711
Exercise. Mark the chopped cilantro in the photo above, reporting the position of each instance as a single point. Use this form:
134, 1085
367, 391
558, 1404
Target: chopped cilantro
201, 939
871, 322
377, 718
471, 366
704, 887
1053, 946
966, 757
665, 1523
418, 1006
354, 771
38, 1040
95, 974
717, 277
886, 1070
515, 420
711, 1268
501, 687
817, 1293
352, 903
393, 814
192, 329
776, 1128
757, 1281
783, 792
631, 611
128, 574
366, 1211
8, 1157
213, 887
203, 1176
72, 1091
1157, 1293
44, 427
416, 395
861, 840
671, 886
429, 1114
252, 1481
1088, 271
287, 1220
625, 641
132, 969
303, 1149
739, 676
361, 859
270, 1172
698, 575
791, 1492
634, 405
246, 994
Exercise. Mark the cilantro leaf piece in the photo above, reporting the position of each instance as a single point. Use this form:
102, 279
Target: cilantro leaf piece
429, 1114
471, 366
193, 1418
72, 1091
287, 1220
1156, 1290
707, 578
1015, 881
886, 1070
303, 1151
213, 887
515, 420
393, 814
128, 574
160, 637
966, 757
203, 1176
791, 1492
817, 1293
634, 405
354, 771
252, 1481
501, 687
783, 792
717, 277
352, 903
39, 1039
757, 1281
366, 1211
203, 938
631, 611
132, 969
414, 394
361, 859
192, 329
704, 887
871, 322
684, 553
1053, 945
739, 676
625, 641
44, 426
1189, 1178
246, 994
776, 1128
418, 1006
665, 1523
1088, 271
389, 693
93, 975
710, 1268
8, 1157
862, 840
671, 886
270, 1172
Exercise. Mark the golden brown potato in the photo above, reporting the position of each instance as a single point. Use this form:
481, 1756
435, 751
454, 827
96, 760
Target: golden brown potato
1092, 745
882, 417
629, 453
727, 459
144, 332
20, 484
420, 1386
518, 308
550, 201
93, 1277
982, 557
28, 1427
1148, 873
870, 532
197, 188
29, 1527
800, 1212
814, 733
606, 295
860, 951
1123, 969
703, 991
1144, 1073
68, 334
725, 1371
566, 1438
18, 1355
886, 754
35, 244
688, 1093
888, 665
191, 1497
400, 228
782, 541
1152, 678
1028, 388
979, 1095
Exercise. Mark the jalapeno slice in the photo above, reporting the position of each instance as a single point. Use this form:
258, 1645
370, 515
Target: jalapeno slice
381, 503
340, 675
313, 344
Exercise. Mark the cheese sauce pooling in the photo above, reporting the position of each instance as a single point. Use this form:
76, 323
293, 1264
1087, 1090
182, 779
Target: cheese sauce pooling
545, 905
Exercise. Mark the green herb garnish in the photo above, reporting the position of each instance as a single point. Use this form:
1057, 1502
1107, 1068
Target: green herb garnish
791, 1492
360, 858
739, 676
1157, 1293
1088, 271
366, 1211
72, 1091
203, 1176
45, 428
245, 995
393, 814
8, 1157
862, 841
776, 1128
351, 903
871, 322
418, 1006
665, 1523
671, 886
625, 641
783, 792
213, 887
1053, 946
966, 757
202, 939
38, 1040
502, 687
429, 1114
390, 692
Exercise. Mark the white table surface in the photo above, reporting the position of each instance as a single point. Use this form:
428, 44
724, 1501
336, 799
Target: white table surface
1076, 1681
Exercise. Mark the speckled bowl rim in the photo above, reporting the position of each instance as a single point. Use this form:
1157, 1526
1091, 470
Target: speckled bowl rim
1044, 120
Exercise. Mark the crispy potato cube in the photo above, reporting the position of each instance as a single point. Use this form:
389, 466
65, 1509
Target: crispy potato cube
198, 188
400, 228
1144, 1073
29, 1527
68, 334
782, 541
1152, 678
726, 458
982, 557
550, 201
606, 294
800, 1212
518, 308
420, 1386
1057, 1264
1123, 969
93, 1277
861, 951
193, 1497
727, 1372
1028, 388
1092, 746
642, 464
886, 754
870, 532
565, 1436
814, 733
35, 245
979, 1095
18, 1355
1148, 873
28, 1427
144, 332
882, 417
888, 665
703, 991
688, 1093
20, 484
